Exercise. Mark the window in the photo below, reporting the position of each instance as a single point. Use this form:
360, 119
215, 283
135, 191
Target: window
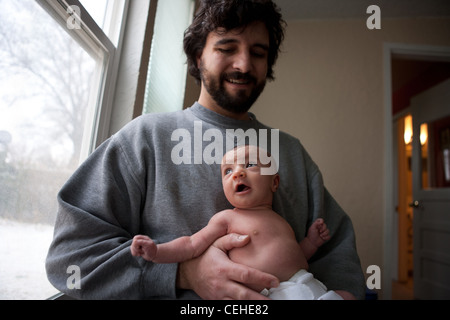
108, 15
166, 78
57, 68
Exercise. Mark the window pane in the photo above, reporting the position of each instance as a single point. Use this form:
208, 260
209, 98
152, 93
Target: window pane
45, 100
107, 14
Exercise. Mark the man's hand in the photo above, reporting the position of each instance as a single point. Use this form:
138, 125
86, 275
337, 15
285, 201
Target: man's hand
214, 276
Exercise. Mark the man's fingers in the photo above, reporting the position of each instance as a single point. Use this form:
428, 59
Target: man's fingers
222, 278
252, 277
240, 292
243, 274
230, 241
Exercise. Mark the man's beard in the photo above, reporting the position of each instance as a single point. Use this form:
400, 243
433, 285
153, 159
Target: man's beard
241, 102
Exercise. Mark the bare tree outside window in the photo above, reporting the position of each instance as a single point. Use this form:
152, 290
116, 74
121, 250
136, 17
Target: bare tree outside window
45, 82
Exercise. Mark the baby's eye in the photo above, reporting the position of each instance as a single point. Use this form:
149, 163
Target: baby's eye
249, 165
228, 171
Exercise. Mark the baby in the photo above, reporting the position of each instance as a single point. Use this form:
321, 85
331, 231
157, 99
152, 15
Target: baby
273, 247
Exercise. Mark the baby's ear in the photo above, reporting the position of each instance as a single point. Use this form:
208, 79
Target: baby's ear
275, 182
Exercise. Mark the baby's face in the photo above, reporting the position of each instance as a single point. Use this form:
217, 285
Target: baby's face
244, 185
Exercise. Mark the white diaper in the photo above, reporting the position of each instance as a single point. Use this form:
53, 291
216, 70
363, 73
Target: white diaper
301, 286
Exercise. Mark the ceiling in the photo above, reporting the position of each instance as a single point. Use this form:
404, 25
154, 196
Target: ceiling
354, 9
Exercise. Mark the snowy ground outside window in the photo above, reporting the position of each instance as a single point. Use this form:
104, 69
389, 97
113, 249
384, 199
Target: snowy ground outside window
23, 248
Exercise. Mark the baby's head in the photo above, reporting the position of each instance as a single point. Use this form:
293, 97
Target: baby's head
243, 182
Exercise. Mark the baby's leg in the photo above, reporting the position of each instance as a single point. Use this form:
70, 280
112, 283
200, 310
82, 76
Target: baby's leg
143, 246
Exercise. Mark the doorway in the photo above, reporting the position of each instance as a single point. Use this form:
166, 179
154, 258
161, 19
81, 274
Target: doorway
412, 70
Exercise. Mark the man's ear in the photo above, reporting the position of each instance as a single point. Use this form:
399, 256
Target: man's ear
198, 59
275, 182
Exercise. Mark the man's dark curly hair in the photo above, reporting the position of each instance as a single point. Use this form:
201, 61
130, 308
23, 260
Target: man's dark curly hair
231, 14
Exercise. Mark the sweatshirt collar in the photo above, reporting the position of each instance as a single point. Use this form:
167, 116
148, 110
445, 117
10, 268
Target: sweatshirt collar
222, 121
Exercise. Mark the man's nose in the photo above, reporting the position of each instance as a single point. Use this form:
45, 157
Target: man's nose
243, 62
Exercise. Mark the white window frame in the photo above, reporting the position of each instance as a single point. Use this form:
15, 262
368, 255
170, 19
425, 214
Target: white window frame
92, 38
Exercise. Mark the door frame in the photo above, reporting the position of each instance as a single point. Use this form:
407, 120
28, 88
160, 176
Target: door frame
416, 52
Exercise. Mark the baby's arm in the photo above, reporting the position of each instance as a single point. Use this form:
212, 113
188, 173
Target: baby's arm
317, 235
183, 248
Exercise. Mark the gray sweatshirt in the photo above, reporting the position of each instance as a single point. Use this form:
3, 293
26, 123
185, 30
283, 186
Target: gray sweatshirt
160, 176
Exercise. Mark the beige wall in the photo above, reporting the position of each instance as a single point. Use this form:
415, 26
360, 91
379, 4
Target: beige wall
329, 93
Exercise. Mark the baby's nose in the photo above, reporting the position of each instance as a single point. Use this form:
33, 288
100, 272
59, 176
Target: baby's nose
239, 174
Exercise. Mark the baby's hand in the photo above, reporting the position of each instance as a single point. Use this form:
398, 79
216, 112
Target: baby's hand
143, 246
318, 233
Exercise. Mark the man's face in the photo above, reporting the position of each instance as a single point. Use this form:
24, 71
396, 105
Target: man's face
233, 67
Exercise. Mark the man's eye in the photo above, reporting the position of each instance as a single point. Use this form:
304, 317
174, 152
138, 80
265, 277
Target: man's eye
225, 50
259, 54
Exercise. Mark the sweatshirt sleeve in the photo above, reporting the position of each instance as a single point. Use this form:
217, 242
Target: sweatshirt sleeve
99, 213
336, 263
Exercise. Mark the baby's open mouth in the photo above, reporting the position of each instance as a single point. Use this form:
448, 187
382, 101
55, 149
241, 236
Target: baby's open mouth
242, 187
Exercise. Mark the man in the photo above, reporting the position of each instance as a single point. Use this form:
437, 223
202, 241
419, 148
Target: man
156, 177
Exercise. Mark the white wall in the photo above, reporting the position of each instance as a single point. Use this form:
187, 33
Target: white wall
329, 93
